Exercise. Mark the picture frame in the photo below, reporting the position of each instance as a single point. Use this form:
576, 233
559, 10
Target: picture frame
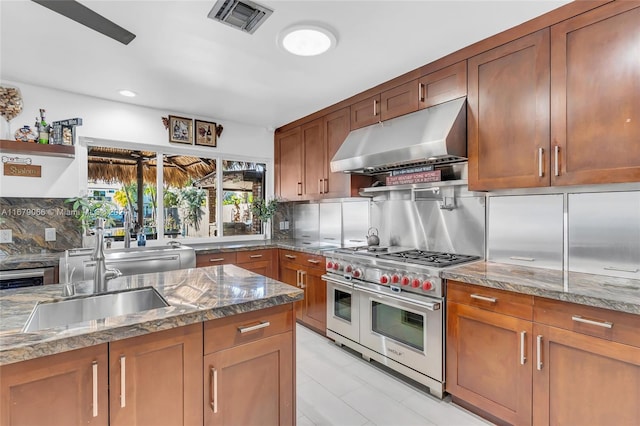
180, 130
205, 133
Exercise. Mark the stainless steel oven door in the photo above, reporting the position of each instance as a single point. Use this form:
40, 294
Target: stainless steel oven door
343, 308
403, 327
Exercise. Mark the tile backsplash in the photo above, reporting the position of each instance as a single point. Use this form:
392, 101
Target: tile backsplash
27, 219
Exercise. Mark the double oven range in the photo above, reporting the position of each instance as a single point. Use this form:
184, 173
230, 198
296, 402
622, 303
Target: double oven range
387, 303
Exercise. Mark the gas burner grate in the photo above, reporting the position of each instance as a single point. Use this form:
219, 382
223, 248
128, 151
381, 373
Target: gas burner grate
430, 258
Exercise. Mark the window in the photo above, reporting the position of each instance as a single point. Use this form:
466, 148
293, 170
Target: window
133, 182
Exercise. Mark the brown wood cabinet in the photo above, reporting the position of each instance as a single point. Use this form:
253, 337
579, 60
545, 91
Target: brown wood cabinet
253, 348
304, 271
288, 164
574, 364
400, 100
315, 159
156, 379
508, 119
595, 82
443, 85
263, 262
215, 259
365, 112
489, 348
70, 388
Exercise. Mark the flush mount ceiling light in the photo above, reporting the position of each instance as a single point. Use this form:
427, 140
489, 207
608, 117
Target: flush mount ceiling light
127, 93
307, 39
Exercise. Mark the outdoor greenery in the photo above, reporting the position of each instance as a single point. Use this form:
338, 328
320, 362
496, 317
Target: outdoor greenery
191, 199
88, 210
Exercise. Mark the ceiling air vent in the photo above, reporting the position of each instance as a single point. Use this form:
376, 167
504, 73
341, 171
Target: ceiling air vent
244, 15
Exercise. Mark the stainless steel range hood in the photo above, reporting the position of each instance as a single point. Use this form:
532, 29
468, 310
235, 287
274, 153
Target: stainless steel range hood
433, 135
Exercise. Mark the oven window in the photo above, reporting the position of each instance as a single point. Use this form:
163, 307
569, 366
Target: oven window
398, 324
342, 305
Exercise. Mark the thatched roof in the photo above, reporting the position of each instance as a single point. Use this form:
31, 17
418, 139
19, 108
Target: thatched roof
121, 165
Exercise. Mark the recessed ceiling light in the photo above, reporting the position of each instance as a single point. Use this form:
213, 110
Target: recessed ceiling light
128, 93
307, 39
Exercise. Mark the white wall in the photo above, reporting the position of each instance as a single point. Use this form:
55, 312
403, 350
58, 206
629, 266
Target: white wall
115, 121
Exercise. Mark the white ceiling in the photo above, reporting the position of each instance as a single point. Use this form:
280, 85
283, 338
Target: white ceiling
183, 62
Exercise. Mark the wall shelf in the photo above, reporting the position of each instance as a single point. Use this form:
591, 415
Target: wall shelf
29, 148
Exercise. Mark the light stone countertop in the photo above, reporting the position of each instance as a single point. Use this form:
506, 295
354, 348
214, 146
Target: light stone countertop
194, 295
601, 291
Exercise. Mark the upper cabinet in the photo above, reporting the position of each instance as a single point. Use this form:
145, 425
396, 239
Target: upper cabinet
508, 119
365, 112
442, 85
288, 164
559, 106
595, 84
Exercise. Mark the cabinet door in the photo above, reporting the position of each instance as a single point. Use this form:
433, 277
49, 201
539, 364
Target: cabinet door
215, 259
443, 85
314, 159
70, 388
365, 112
336, 129
508, 120
260, 267
400, 100
595, 83
315, 299
488, 361
288, 159
584, 380
289, 273
267, 364
156, 379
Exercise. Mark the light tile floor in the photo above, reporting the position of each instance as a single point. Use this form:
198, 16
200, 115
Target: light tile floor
337, 387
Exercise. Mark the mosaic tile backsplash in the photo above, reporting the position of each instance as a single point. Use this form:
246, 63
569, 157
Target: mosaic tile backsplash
27, 218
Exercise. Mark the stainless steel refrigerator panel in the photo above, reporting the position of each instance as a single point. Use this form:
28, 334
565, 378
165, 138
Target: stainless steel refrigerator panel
526, 230
604, 233
330, 223
306, 222
355, 223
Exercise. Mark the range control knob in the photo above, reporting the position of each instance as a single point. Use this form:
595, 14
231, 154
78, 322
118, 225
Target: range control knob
357, 273
395, 279
426, 285
415, 283
348, 269
384, 279
405, 280
329, 265
336, 266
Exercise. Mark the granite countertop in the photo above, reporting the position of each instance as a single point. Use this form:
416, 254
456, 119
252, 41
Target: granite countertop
26, 261
619, 294
194, 295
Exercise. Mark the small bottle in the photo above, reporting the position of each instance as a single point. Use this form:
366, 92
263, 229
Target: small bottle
142, 239
43, 129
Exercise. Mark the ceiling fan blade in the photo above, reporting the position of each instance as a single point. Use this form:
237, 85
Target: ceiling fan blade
85, 16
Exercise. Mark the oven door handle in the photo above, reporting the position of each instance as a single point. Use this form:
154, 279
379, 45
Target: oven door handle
338, 282
431, 306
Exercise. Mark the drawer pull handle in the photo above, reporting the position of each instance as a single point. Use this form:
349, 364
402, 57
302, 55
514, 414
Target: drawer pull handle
255, 256
613, 268
526, 259
557, 153
523, 357
484, 298
248, 328
605, 324
540, 169
421, 87
216, 259
123, 385
95, 388
539, 351
214, 390
290, 256
315, 262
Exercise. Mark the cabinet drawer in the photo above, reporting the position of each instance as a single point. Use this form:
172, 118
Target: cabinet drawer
214, 259
305, 259
618, 327
500, 301
253, 256
226, 332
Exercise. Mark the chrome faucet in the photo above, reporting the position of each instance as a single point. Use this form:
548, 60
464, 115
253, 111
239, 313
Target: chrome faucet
101, 274
127, 229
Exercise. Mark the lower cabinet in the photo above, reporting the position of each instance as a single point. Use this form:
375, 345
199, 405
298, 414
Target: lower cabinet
249, 369
262, 262
70, 388
569, 365
156, 379
215, 259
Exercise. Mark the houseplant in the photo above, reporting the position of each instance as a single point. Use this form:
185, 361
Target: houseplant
264, 210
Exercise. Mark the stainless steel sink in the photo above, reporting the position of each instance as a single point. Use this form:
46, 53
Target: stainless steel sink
76, 310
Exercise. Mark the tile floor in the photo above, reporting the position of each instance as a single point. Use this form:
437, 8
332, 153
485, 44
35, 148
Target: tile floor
337, 387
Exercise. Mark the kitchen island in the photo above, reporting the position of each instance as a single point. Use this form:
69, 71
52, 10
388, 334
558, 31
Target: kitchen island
225, 329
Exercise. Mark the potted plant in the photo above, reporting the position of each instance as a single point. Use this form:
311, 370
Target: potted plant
263, 211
